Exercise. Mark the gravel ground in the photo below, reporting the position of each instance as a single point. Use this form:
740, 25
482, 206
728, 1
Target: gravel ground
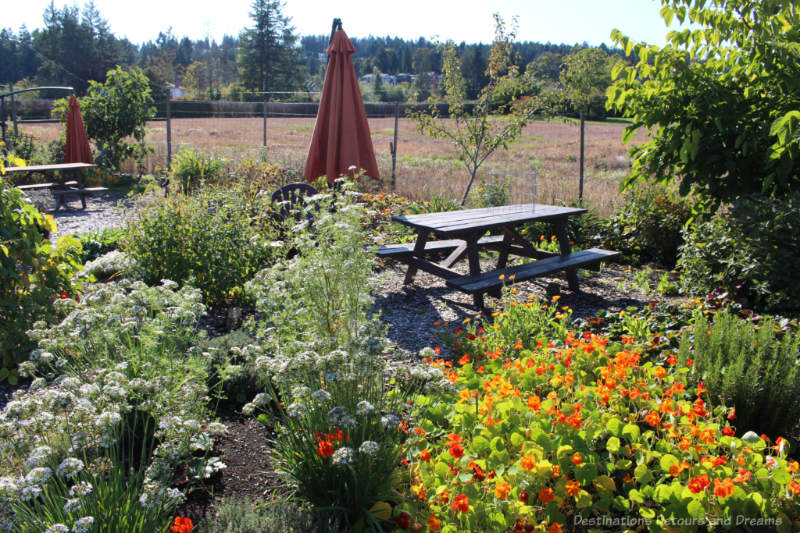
104, 209
412, 309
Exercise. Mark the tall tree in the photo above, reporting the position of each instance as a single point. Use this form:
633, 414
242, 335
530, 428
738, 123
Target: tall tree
268, 59
76, 47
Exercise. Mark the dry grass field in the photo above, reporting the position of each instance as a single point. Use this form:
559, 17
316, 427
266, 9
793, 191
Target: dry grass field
425, 167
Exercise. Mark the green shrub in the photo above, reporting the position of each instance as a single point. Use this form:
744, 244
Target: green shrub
241, 516
215, 239
97, 243
33, 274
750, 368
750, 250
649, 227
190, 168
491, 194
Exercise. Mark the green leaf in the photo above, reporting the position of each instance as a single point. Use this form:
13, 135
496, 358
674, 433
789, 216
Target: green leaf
695, 509
631, 432
479, 444
642, 474
668, 461
465, 477
613, 445
614, 426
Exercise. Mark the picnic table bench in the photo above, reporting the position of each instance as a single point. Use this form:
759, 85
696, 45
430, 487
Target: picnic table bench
66, 179
463, 232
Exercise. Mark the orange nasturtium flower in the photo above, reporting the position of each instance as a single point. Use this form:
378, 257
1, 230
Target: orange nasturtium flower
182, 524
576, 458
528, 462
461, 503
723, 489
653, 418
555, 528
325, 448
573, 487
434, 524
425, 455
546, 495
699, 483
501, 490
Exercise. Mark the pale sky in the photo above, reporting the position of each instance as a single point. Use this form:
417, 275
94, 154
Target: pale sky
555, 21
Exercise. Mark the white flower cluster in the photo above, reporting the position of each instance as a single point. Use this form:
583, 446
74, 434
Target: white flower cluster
111, 264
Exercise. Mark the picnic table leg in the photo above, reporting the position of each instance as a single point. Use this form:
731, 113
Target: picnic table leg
560, 231
474, 266
502, 259
419, 251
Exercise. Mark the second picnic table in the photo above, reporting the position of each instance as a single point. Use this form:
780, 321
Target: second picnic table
464, 232
65, 179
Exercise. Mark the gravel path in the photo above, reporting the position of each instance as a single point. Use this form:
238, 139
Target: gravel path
412, 309
104, 209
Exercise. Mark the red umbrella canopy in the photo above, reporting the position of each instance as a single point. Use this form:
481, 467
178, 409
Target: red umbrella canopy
77, 148
341, 137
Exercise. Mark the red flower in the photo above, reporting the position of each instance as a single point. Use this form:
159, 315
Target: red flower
182, 525
434, 524
64, 294
461, 503
546, 495
425, 455
456, 450
576, 458
325, 448
728, 431
699, 483
403, 520
732, 414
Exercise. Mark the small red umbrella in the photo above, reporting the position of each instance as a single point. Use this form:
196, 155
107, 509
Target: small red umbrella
77, 148
341, 137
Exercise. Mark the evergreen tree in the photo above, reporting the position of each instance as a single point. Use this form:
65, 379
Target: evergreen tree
268, 59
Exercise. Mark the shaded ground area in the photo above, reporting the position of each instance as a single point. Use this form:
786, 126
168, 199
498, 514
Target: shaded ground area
411, 310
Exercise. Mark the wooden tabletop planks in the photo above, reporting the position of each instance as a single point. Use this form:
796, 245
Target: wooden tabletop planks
472, 220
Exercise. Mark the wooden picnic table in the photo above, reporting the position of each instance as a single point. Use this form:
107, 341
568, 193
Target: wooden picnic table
64, 179
464, 232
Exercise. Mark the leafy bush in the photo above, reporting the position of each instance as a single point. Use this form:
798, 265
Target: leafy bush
97, 243
649, 227
33, 274
750, 368
491, 194
241, 516
547, 431
749, 251
191, 168
114, 112
215, 239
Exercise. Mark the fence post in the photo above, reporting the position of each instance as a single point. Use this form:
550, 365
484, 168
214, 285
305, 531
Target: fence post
580, 185
393, 145
264, 142
3, 125
13, 109
169, 131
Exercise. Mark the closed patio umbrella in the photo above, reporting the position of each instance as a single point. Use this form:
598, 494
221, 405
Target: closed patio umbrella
341, 137
77, 148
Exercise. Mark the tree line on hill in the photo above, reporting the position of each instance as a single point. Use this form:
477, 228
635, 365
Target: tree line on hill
76, 46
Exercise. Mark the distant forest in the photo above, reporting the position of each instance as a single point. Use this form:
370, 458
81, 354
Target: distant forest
76, 46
